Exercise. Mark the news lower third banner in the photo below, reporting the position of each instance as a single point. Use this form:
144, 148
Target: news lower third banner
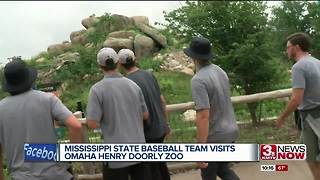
163, 152
158, 152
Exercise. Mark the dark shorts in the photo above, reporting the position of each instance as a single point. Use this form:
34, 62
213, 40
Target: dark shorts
139, 171
220, 169
159, 170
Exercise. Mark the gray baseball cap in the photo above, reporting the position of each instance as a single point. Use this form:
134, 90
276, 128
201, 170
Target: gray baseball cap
125, 54
107, 53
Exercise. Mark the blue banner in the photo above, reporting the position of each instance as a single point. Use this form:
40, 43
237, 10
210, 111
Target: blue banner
40, 152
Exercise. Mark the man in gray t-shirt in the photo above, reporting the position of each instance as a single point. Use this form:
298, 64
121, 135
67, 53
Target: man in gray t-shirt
27, 117
215, 117
117, 105
305, 97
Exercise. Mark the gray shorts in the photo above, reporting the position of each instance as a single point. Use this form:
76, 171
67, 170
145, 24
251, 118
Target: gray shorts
310, 139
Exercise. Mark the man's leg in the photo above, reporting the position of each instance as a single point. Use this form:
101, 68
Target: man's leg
315, 169
163, 168
210, 173
140, 171
114, 174
159, 170
155, 170
225, 173
164, 171
311, 140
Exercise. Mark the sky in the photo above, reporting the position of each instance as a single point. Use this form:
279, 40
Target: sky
28, 28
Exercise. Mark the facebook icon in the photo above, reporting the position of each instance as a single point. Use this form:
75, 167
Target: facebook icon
40, 152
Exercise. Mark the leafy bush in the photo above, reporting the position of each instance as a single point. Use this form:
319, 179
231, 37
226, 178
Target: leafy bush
149, 63
175, 86
102, 29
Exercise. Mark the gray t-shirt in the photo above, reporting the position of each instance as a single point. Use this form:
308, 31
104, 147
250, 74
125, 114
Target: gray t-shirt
211, 90
117, 104
151, 92
306, 75
28, 118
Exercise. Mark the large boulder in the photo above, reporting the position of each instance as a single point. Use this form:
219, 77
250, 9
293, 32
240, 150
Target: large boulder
89, 21
58, 48
79, 37
68, 57
40, 60
118, 43
91, 30
187, 71
189, 115
153, 33
60, 61
143, 46
122, 34
140, 19
120, 22
67, 45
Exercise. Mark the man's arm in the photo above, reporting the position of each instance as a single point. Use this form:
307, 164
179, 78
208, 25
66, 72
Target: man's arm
202, 105
92, 124
296, 99
164, 108
146, 116
144, 107
94, 110
202, 122
1, 165
74, 128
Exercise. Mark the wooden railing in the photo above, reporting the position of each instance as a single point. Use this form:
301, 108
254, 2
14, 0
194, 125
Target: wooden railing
238, 99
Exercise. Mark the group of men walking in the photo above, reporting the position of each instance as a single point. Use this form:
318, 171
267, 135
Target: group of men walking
131, 109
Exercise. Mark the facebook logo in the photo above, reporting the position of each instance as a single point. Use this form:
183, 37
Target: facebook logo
40, 152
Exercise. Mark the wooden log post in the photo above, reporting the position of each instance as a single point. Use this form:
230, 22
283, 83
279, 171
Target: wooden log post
88, 167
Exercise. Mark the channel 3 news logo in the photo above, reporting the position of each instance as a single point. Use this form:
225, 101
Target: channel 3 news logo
283, 152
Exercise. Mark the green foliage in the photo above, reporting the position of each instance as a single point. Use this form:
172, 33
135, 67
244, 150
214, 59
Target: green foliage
2, 93
240, 36
77, 90
102, 29
224, 23
252, 67
73, 75
174, 86
42, 66
86, 65
173, 42
296, 16
149, 63
266, 133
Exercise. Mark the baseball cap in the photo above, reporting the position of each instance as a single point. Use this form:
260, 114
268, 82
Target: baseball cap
125, 55
106, 54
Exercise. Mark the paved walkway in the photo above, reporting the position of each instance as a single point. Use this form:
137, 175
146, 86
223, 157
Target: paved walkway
297, 170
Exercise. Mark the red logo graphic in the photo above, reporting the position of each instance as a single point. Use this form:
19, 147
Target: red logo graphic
268, 152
